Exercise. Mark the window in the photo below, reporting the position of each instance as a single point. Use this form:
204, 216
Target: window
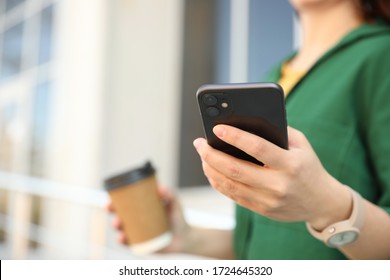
40, 127
26, 46
10, 4
8, 117
45, 41
12, 51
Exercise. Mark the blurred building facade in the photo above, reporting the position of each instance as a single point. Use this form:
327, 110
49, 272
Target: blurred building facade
91, 88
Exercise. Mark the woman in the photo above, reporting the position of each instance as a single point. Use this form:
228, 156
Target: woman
338, 96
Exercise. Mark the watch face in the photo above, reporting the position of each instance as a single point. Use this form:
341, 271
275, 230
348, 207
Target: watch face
342, 238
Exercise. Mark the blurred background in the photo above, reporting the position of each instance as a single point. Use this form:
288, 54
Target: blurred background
94, 87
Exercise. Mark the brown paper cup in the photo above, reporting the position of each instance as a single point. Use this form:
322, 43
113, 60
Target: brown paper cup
136, 201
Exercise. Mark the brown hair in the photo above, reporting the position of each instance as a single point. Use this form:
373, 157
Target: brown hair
375, 8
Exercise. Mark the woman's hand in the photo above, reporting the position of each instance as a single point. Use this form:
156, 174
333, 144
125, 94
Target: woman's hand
213, 243
291, 186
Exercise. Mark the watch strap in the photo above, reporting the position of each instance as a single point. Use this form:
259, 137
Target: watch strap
353, 223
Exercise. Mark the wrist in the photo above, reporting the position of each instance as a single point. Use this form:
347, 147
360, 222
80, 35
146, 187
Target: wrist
336, 206
189, 240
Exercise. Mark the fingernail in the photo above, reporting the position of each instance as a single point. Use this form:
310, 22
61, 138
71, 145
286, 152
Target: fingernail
197, 143
219, 131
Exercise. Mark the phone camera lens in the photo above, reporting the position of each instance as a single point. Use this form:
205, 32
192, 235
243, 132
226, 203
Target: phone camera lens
212, 111
209, 100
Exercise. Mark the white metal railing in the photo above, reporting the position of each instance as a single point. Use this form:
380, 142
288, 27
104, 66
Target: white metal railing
16, 221
52, 190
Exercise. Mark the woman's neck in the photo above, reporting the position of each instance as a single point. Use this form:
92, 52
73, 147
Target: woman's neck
324, 27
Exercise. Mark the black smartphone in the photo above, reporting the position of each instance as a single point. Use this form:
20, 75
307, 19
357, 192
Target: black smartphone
258, 108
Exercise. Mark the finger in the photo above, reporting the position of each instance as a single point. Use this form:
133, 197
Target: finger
165, 193
261, 149
235, 169
121, 237
237, 190
109, 207
117, 223
223, 184
253, 198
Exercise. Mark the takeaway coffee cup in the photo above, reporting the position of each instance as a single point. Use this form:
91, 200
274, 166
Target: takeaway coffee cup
136, 201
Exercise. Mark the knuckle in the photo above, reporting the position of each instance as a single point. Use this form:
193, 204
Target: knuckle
206, 156
300, 135
229, 186
234, 136
223, 188
234, 171
272, 207
258, 148
276, 204
294, 167
205, 167
280, 192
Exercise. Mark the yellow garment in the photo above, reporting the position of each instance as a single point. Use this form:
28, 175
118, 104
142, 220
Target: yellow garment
289, 78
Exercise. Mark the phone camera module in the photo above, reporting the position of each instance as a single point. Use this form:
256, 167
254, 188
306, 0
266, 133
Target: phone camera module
209, 100
212, 111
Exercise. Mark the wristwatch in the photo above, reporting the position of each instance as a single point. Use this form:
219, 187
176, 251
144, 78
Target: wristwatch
343, 232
